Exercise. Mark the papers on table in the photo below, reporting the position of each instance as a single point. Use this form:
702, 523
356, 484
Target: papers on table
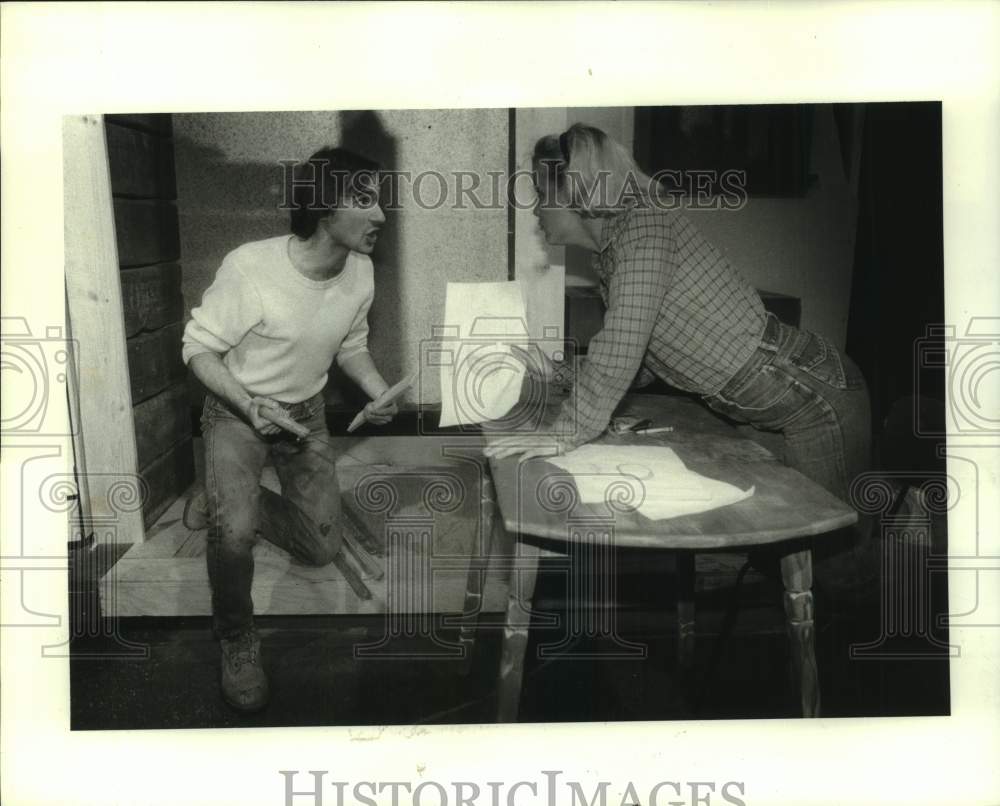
650, 479
480, 376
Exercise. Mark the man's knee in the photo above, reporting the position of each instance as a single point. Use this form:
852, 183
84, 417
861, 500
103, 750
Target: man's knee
236, 527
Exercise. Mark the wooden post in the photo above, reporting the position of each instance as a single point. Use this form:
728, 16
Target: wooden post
93, 290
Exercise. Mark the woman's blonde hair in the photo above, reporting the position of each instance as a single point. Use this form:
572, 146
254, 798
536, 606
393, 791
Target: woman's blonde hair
596, 170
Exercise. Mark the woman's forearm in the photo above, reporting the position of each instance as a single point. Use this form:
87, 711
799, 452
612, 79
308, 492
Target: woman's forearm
209, 369
362, 370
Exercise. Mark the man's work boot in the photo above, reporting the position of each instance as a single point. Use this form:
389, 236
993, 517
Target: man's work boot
244, 683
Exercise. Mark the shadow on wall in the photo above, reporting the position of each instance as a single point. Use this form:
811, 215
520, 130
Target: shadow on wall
223, 204
363, 133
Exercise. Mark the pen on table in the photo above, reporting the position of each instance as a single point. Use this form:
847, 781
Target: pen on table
661, 430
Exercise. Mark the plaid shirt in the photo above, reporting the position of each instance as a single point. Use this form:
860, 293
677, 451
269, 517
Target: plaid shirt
675, 307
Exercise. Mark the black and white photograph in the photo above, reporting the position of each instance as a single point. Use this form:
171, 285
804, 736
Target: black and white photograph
722, 344
636, 418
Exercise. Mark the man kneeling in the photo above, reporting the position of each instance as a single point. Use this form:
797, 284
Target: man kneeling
262, 341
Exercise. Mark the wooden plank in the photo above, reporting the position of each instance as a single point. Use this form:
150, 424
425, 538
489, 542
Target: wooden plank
166, 575
418, 521
142, 165
152, 297
147, 232
167, 477
166, 537
180, 587
161, 422
155, 123
154, 361
93, 292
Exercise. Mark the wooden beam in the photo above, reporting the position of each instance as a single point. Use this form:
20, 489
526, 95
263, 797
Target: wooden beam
178, 586
155, 362
93, 291
161, 422
147, 231
152, 297
142, 165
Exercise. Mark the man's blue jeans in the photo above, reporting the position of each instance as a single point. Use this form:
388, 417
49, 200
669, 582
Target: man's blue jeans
799, 385
304, 520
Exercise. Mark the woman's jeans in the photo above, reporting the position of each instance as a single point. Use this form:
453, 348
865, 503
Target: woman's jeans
304, 520
798, 384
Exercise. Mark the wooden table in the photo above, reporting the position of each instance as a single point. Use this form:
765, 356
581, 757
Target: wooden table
539, 505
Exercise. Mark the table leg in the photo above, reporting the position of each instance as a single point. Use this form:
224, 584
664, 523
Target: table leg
475, 585
515, 632
796, 574
685, 614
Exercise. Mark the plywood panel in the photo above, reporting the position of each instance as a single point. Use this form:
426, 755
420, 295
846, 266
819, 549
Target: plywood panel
179, 587
166, 576
147, 232
151, 297
94, 300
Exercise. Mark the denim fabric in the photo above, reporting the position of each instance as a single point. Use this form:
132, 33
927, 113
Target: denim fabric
799, 385
304, 520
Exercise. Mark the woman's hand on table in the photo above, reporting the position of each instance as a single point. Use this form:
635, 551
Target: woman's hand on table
528, 446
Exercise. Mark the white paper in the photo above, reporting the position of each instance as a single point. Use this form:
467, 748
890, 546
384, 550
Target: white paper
480, 376
652, 480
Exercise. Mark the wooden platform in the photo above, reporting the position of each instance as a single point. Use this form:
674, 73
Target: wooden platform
413, 556
166, 575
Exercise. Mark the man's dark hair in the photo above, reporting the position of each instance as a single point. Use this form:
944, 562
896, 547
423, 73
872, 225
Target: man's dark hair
324, 181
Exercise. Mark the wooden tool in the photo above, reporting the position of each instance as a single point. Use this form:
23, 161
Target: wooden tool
388, 396
280, 418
